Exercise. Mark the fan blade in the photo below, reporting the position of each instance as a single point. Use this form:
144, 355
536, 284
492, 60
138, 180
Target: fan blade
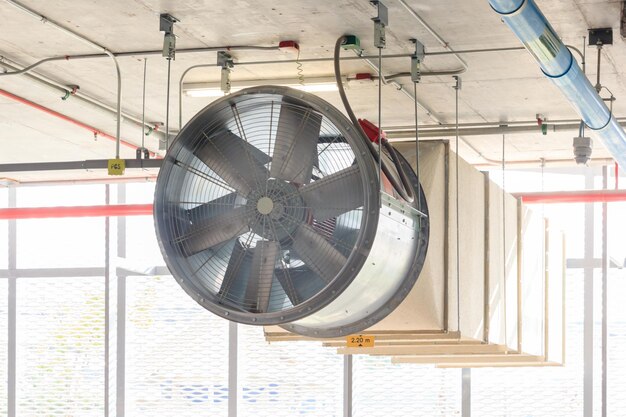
259, 285
317, 253
238, 163
212, 208
238, 268
295, 151
299, 284
210, 231
334, 194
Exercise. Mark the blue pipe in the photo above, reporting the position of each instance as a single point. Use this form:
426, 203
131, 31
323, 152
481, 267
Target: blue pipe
525, 19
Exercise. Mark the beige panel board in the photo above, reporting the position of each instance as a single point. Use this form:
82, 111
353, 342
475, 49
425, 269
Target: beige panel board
536, 363
471, 249
533, 281
430, 342
476, 358
441, 349
502, 274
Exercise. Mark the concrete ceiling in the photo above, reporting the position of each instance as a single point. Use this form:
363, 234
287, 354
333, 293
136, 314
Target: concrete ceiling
498, 87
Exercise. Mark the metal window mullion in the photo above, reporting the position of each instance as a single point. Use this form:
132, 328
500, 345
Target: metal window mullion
605, 288
588, 303
466, 392
233, 357
120, 396
12, 314
347, 385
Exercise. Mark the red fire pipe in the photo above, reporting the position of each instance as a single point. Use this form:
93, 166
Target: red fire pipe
68, 119
594, 196
75, 211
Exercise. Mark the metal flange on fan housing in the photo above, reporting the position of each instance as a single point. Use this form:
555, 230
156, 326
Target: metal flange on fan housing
268, 210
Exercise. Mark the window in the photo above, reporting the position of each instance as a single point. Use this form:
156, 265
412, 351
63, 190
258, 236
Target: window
60, 346
176, 352
285, 379
383, 389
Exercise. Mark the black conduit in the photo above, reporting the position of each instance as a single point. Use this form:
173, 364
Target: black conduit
405, 190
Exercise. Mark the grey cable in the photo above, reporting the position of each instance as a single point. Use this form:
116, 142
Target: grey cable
417, 154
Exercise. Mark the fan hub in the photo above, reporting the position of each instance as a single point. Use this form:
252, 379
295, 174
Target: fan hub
265, 205
278, 210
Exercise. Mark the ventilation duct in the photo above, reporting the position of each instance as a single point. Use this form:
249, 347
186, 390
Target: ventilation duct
525, 19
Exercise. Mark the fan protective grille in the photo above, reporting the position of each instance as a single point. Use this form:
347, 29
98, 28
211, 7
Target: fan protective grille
266, 205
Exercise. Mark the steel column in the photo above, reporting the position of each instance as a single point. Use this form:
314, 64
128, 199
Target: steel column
466, 392
588, 303
347, 385
12, 314
605, 276
233, 358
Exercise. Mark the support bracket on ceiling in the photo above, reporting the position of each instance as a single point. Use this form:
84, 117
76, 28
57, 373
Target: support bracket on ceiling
166, 25
380, 22
225, 60
416, 61
601, 36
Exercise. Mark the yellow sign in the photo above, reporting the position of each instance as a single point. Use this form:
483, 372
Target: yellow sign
116, 166
360, 340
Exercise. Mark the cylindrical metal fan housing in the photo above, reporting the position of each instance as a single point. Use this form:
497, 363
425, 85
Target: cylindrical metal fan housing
268, 210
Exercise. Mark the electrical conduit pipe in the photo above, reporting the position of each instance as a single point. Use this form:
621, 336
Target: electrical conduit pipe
594, 196
76, 211
527, 22
560, 197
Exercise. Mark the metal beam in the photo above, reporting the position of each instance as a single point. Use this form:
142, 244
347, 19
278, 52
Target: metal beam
81, 165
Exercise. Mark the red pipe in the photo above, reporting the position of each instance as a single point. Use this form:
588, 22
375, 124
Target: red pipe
594, 196
75, 211
68, 119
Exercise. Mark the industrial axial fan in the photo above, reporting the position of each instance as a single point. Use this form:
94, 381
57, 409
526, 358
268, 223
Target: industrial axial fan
269, 209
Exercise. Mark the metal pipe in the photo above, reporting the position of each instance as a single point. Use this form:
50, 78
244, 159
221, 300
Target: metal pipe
96, 132
10, 182
409, 134
488, 124
114, 210
560, 197
556, 61
91, 164
427, 73
89, 42
432, 31
63, 89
